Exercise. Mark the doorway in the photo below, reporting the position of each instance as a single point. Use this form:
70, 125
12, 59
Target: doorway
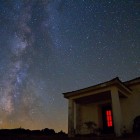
107, 119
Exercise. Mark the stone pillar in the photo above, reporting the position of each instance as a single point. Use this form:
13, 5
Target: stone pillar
117, 115
71, 118
77, 119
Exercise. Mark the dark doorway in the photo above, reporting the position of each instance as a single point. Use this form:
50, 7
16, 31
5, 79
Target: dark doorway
107, 118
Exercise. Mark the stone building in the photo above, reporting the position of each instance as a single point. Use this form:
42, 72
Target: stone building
110, 106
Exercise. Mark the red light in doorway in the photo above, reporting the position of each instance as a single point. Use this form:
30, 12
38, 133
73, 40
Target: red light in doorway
109, 118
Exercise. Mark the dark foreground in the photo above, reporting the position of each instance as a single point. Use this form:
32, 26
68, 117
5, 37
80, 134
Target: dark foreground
31, 137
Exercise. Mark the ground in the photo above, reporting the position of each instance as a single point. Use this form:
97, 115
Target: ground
25, 137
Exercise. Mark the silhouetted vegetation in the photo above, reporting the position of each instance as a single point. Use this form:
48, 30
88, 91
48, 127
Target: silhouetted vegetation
48, 131
21, 131
26, 134
49, 134
61, 133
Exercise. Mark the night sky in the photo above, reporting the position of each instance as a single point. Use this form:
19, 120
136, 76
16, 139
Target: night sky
49, 47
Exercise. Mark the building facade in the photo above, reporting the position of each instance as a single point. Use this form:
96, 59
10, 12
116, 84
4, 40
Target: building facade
110, 107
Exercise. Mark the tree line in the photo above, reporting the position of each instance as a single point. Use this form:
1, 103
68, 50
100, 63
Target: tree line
22, 131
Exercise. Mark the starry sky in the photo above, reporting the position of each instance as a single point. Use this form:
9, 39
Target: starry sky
49, 47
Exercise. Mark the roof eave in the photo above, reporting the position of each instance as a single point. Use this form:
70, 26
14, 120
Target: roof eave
116, 81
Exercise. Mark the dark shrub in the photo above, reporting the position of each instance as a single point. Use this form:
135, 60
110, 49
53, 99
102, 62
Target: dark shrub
61, 133
49, 132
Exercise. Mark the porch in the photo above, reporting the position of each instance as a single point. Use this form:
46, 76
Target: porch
99, 105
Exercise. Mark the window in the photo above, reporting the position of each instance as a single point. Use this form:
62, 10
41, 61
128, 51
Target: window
109, 118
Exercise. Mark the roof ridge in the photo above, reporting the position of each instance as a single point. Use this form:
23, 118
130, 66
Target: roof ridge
137, 78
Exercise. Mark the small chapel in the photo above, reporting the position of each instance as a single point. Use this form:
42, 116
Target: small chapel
110, 107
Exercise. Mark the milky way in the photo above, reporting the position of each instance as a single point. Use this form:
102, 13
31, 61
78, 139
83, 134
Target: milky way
17, 89
48, 47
